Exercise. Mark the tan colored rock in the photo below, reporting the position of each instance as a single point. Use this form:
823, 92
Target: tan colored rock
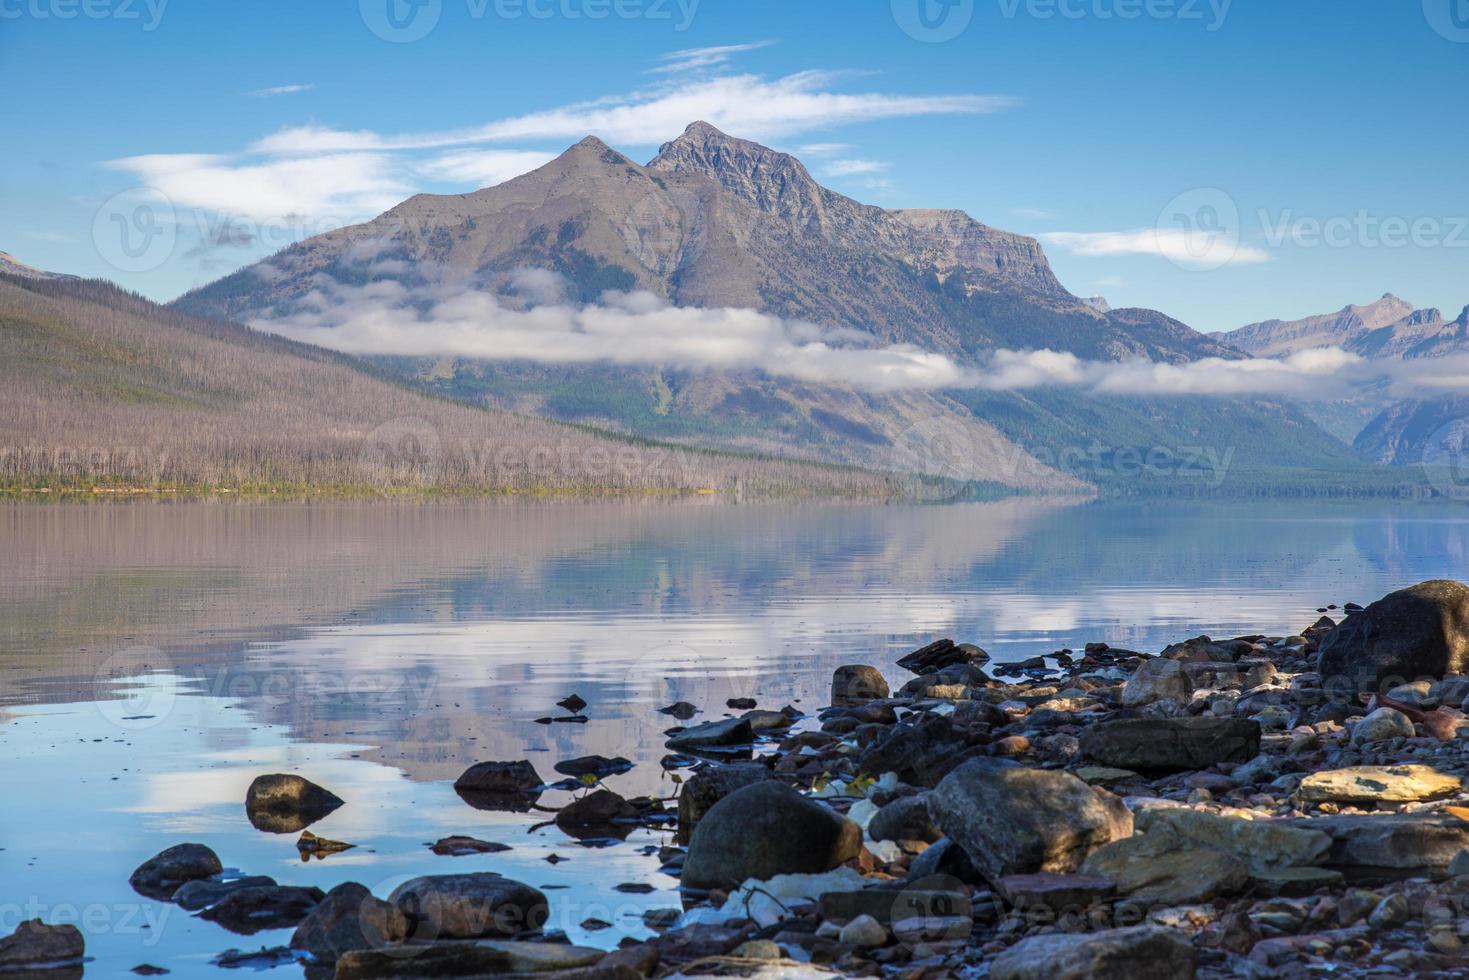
1379, 784
1261, 843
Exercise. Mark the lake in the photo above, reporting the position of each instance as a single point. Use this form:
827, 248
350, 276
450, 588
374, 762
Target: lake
156, 656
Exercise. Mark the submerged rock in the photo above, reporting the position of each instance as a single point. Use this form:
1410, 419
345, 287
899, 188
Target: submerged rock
284, 803
36, 945
202, 893
1421, 631
250, 910
1012, 820
161, 875
468, 906
600, 809
714, 734
764, 830
349, 918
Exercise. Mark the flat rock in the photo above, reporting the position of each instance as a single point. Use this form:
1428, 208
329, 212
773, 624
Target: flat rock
714, 734
1391, 840
1161, 867
161, 875
895, 901
1013, 820
1104, 775
464, 959
469, 906
763, 830
1171, 744
1138, 953
1056, 892
1261, 843
460, 846
593, 765
1379, 784
1294, 882
940, 654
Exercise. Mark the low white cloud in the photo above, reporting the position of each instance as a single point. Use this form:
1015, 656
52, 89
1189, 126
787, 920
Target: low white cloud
531, 321
819, 150
1175, 244
281, 90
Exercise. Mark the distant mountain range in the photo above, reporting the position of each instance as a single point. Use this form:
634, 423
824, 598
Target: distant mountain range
11, 266
718, 222
1380, 428
1390, 327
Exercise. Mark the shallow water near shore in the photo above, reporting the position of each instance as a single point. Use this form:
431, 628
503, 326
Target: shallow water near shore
155, 657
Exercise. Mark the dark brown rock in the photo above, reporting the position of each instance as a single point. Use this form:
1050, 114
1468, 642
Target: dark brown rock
1171, 744
1417, 632
764, 830
161, 875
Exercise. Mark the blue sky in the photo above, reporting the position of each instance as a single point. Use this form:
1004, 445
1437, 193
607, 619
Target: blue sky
1221, 161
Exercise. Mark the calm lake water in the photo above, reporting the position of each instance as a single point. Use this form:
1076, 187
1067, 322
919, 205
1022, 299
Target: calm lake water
156, 657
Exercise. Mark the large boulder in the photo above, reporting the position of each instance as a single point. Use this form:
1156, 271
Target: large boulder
1160, 867
349, 918
905, 818
508, 786
1421, 631
284, 803
1138, 953
764, 830
162, 874
710, 785
468, 906
1157, 680
1171, 744
37, 945
857, 684
1011, 820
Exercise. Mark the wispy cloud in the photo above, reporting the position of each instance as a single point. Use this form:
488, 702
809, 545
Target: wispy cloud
854, 168
281, 90
1034, 214
1175, 244
751, 106
483, 168
693, 59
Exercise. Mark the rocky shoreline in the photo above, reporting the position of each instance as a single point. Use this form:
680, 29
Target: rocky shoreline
1261, 806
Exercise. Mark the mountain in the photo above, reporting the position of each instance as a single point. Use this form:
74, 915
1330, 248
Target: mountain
11, 266
100, 388
718, 222
1390, 327
1379, 427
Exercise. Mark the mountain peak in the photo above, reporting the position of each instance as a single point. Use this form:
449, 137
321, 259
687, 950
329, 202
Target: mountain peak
773, 181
